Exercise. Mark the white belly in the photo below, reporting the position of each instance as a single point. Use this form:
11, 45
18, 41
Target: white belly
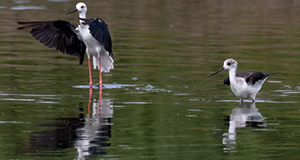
96, 50
93, 47
244, 91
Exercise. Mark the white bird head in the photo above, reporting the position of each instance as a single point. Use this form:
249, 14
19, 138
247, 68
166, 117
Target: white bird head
228, 64
81, 8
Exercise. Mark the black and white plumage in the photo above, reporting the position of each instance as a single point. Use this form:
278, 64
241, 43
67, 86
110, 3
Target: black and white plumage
250, 77
243, 85
91, 36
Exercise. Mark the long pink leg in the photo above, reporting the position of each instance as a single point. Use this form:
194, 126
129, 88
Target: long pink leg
100, 76
100, 88
100, 100
90, 72
90, 101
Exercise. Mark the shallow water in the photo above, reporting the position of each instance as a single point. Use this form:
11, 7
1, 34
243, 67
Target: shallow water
158, 102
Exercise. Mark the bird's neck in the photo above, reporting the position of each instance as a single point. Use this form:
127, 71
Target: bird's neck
232, 74
82, 15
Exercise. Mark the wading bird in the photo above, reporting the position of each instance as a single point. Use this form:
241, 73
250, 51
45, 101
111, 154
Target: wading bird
91, 36
243, 85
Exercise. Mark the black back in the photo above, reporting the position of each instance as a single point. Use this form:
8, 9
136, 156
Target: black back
99, 30
251, 77
59, 34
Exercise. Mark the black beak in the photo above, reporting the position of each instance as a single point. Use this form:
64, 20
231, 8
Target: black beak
75, 10
221, 69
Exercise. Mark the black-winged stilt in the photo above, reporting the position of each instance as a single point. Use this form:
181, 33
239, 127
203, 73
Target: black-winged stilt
91, 36
243, 85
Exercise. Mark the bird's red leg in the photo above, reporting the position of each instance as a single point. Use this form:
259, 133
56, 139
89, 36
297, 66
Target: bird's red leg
90, 72
90, 101
100, 100
100, 76
100, 87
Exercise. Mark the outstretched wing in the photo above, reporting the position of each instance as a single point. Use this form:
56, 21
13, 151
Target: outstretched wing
100, 32
59, 34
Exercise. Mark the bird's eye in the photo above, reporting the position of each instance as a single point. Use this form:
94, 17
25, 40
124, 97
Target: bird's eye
82, 6
229, 63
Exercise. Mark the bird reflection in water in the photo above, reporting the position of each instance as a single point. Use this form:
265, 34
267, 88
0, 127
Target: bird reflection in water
97, 129
87, 134
244, 115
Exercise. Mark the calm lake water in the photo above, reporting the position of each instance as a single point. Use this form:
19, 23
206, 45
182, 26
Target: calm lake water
158, 102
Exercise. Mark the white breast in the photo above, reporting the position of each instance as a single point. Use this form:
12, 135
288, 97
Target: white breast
92, 45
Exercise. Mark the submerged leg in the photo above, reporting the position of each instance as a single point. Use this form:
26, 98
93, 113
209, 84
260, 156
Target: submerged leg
90, 101
99, 102
100, 76
100, 88
90, 72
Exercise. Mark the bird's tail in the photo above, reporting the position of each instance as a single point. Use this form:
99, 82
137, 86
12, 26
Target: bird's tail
107, 63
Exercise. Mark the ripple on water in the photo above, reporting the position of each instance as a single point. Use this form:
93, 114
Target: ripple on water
14, 122
287, 91
21, 1
258, 101
28, 8
138, 88
137, 102
150, 88
38, 98
105, 86
274, 81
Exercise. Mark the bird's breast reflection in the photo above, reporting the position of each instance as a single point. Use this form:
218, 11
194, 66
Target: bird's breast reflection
89, 134
244, 115
97, 128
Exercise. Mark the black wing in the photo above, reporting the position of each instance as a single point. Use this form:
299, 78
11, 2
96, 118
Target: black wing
226, 81
251, 77
256, 76
100, 32
59, 34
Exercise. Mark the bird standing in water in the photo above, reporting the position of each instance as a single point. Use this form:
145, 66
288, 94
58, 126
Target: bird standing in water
243, 85
91, 36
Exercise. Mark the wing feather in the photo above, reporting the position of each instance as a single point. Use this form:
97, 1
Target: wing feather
59, 34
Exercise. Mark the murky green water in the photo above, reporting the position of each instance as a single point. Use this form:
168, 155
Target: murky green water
158, 102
